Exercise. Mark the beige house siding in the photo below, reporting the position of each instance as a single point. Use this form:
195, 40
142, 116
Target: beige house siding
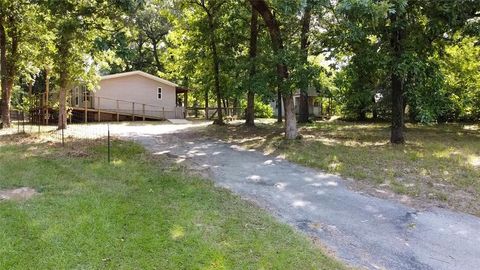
136, 94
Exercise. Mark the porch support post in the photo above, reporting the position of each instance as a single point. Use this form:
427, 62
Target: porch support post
133, 111
98, 109
118, 109
85, 113
42, 109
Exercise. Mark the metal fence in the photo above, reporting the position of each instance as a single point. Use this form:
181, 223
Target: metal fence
25, 123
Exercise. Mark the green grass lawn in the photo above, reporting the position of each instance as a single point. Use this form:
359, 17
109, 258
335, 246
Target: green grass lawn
439, 164
136, 213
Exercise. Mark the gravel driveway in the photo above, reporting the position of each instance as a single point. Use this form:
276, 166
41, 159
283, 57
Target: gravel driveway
361, 230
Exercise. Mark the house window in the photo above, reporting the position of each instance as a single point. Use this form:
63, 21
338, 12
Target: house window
159, 93
86, 94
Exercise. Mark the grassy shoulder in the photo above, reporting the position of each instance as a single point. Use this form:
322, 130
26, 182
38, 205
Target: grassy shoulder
439, 165
132, 214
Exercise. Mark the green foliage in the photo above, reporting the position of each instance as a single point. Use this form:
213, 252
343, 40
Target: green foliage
361, 37
26, 30
349, 58
139, 42
262, 109
460, 66
76, 25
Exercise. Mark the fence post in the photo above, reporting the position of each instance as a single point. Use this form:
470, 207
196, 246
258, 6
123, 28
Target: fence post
63, 132
85, 101
42, 107
118, 108
143, 111
163, 113
108, 143
18, 121
133, 111
23, 122
98, 105
47, 95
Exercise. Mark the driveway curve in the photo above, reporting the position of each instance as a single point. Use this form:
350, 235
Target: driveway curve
362, 230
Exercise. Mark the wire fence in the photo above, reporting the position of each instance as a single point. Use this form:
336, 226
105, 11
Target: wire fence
26, 123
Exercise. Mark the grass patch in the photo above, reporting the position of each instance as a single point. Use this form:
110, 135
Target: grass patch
439, 164
132, 214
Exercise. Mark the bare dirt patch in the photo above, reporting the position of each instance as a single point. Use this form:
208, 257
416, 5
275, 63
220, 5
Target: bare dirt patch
17, 194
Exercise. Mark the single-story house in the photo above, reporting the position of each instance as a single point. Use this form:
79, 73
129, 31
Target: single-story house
132, 95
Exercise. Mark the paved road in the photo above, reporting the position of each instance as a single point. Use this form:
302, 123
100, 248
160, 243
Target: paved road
362, 230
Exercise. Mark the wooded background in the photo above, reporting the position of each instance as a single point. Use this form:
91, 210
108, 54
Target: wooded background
394, 60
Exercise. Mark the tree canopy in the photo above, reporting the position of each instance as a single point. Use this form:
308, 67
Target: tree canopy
387, 60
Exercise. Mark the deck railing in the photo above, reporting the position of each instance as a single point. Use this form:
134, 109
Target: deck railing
124, 108
91, 108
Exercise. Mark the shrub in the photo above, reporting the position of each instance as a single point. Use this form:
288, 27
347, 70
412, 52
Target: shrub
262, 110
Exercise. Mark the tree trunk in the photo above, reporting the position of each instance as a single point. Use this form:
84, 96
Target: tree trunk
155, 55
47, 94
62, 108
362, 115
374, 109
63, 51
261, 6
225, 107
235, 107
4, 78
397, 136
216, 71
303, 106
8, 70
206, 104
250, 113
30, 88
279, 107
290, 121
303, 113
397, 111
62, 101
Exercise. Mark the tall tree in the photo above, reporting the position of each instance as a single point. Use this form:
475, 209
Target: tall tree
12, 20
155, 26
272, 24
397, 40
304, 114
77, 24
212, 12
250, 112
24, 38
405, 35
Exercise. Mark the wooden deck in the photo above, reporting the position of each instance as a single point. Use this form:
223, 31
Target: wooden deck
90, 108
97, 115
